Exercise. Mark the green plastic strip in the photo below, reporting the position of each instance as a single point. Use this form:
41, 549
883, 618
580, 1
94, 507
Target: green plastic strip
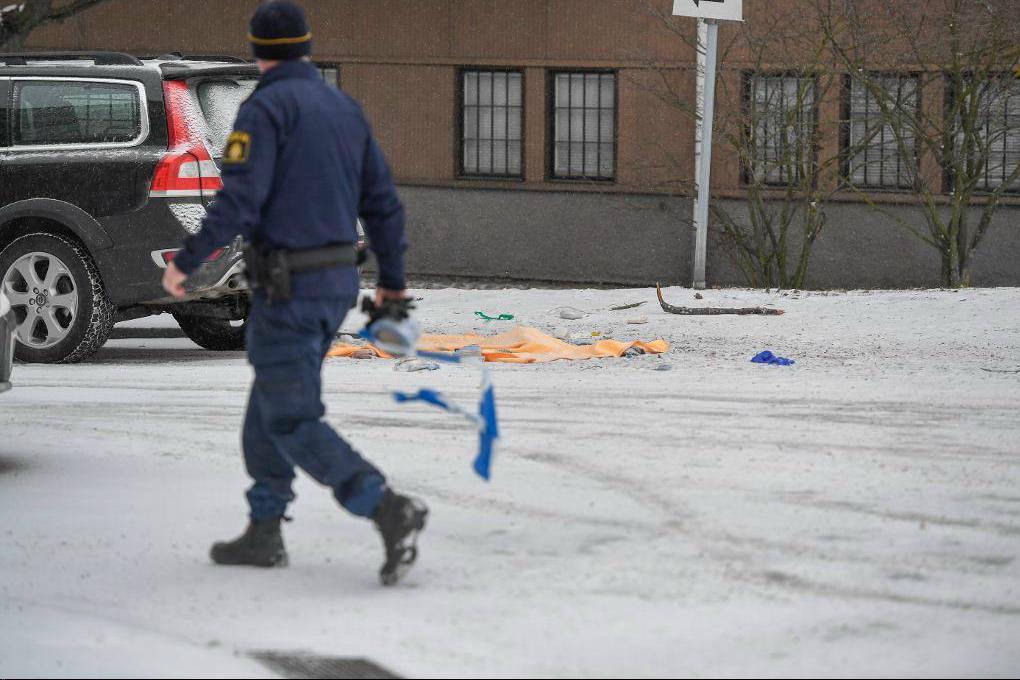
501, 317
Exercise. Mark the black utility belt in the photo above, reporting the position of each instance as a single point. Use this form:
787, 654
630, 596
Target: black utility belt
271, 270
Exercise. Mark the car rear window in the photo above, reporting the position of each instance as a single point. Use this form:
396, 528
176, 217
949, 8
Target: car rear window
220, 100
74, 112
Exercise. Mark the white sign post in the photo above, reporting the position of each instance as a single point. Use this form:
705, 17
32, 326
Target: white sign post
710, 11
726, 10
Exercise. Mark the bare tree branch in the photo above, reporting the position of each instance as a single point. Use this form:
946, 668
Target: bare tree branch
70, 9
22, 19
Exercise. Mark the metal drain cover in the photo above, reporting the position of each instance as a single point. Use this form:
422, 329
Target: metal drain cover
299, 666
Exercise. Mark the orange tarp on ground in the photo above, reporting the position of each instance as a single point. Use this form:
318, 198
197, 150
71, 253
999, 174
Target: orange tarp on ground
522, 345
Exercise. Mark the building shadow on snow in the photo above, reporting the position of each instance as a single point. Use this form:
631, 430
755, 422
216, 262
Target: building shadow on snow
145, 333
160, 355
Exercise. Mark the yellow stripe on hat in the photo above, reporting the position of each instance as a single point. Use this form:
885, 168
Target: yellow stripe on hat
280, 41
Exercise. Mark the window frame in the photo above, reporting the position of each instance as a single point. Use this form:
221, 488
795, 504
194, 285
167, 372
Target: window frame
143, 114
815, 108
459, 142
983, 188
5, 105
320, 65
845, 140
551, 175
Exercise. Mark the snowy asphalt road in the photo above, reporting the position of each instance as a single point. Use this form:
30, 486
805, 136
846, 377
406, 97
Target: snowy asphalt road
855, 514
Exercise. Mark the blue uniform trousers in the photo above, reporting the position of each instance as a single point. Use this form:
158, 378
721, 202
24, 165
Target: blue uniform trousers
283, 427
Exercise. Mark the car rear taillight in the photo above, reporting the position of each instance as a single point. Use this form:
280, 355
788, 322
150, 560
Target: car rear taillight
169, 255
187, 168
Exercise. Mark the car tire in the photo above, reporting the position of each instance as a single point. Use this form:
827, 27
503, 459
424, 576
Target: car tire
212, 333
62, 311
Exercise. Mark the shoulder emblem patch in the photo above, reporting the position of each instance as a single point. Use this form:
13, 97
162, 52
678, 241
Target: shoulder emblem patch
238, 146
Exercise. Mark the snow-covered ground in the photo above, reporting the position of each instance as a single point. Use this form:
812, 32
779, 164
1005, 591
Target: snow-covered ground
857, 514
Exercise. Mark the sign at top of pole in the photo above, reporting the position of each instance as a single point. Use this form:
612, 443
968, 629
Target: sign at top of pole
727, 10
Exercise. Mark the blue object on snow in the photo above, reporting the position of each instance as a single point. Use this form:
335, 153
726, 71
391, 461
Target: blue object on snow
768, 357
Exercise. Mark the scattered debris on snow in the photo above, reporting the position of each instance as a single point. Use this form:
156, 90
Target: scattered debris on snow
413, 365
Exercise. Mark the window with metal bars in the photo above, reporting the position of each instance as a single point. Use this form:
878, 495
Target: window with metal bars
999, 132
882, 151
584, 126
781, 122
492, 133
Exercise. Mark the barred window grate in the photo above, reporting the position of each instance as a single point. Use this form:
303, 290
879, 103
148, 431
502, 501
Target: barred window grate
1000, 130
584, 126
492, 131
878, 161
782, 119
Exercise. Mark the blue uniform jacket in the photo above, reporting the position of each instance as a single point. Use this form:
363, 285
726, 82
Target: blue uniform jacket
299, 168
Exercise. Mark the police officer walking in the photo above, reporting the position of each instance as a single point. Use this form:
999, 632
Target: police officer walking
299, 169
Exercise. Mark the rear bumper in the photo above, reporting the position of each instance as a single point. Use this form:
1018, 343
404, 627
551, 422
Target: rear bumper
217, 278
132, 269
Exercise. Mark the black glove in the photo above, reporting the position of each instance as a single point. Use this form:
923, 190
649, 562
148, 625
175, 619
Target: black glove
397, 310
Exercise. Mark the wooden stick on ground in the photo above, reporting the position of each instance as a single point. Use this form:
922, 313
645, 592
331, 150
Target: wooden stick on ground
691, 311
630, 306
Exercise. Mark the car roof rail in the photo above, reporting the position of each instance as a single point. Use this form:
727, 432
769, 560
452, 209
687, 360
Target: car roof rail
216, 57
97, 58
178, 56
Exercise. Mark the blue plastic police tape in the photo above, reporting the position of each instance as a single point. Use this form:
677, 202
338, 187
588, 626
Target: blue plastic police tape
485, 420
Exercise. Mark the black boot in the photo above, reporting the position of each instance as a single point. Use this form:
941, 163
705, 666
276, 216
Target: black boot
261, 545
399, 519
